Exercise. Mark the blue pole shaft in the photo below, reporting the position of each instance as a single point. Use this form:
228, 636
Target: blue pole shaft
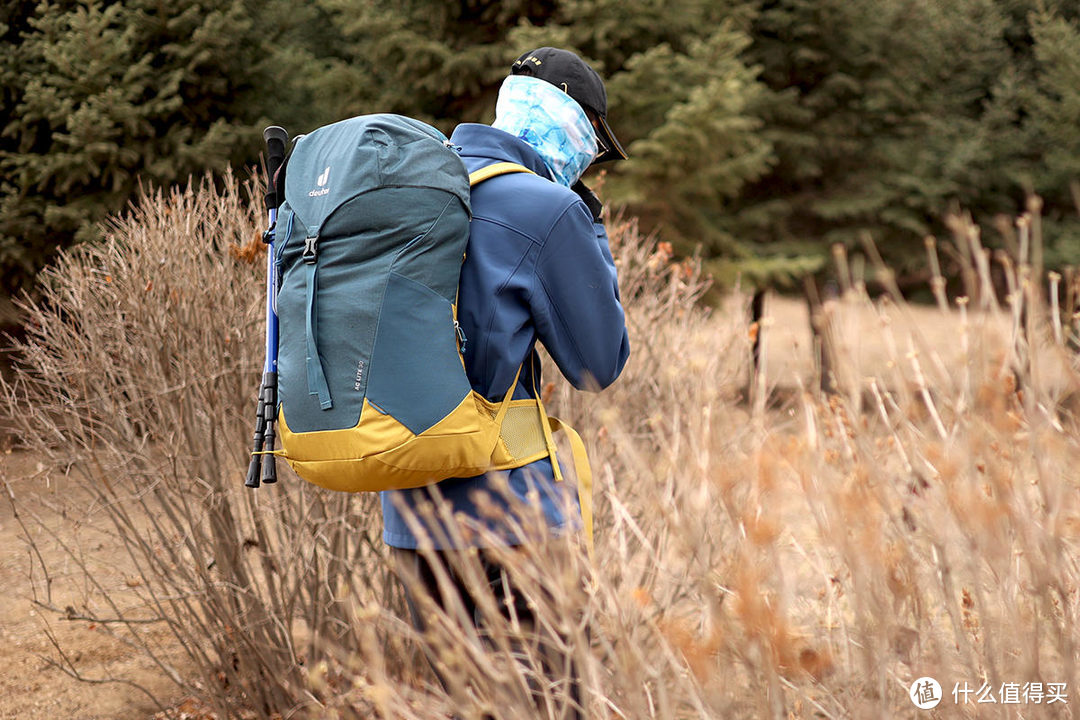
271, 300
268, 470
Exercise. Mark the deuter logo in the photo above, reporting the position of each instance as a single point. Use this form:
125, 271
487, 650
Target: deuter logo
322, 180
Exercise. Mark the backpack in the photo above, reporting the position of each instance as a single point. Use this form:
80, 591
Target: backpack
372, 388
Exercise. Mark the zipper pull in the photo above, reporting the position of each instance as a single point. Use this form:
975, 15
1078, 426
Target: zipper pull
460, 336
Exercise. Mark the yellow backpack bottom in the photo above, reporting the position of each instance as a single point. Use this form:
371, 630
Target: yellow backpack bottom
476, 437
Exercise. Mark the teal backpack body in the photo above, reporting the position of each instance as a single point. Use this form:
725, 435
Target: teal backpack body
371, 238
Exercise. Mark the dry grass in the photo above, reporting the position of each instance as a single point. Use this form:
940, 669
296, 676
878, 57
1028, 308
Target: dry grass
810, 560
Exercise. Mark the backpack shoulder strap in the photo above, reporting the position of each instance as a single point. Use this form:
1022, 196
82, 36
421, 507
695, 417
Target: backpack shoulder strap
499, 168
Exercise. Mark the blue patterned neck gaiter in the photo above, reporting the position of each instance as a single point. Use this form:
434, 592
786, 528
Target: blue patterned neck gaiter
550, 121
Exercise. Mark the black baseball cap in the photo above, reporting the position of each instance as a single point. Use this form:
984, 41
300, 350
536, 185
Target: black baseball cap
573, 75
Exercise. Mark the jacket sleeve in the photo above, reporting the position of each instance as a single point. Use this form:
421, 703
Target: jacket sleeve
575, 302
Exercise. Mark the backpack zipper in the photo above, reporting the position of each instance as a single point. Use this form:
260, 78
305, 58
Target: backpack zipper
460, 336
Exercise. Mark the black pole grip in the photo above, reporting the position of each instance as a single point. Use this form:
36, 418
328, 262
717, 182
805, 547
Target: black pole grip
276, 139
269, 461
264, 432
252, 480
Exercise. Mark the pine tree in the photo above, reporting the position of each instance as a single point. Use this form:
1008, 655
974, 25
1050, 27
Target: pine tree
700, 139
1053, 133
873, 114
437, 62
104, 95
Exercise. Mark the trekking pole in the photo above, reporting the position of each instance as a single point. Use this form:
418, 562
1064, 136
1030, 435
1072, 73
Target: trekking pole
262, 468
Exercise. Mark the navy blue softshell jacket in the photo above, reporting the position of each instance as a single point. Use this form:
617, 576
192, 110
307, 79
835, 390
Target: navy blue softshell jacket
536, 268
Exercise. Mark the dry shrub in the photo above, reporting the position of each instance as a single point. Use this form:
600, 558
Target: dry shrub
136, 379
811, 560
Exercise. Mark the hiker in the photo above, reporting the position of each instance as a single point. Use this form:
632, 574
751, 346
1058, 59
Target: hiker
537, 268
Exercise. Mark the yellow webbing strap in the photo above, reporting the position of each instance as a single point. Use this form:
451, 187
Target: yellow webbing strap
584, 477
505, 404
581, 464
546, 424
499, 168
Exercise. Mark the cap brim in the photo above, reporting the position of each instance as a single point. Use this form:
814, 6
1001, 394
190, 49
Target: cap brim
614, 150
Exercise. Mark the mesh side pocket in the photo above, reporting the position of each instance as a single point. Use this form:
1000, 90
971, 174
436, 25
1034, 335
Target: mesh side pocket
522, 434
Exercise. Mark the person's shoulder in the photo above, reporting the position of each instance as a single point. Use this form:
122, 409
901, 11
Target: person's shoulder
529, 203
527, 189
544, 190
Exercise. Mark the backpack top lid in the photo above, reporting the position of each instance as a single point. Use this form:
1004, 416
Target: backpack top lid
338, 162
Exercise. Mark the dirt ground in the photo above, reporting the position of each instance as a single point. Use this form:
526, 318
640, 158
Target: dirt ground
874, 340
30, 687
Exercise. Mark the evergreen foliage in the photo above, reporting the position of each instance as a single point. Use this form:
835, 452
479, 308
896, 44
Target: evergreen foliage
100, 96
762, 131
1052, 133
875, 122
